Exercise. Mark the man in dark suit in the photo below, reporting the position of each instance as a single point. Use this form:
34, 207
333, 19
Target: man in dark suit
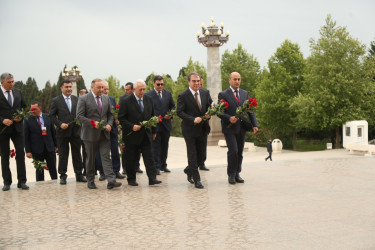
163, 102
134, 109
235, 134
191, 105
11, 100
40, 141
116, 164
62, 113
129, 89
96, 118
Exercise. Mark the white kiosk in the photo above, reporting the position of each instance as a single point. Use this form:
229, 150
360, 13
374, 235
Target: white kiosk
355, 132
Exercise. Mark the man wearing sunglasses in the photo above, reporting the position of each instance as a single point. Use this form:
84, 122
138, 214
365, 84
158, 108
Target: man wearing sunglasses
163, 102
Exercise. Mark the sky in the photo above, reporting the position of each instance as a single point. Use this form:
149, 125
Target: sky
131, 39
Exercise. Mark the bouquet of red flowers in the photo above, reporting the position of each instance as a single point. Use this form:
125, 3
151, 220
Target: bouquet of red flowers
40, 165
101, 124
20, 114
153, 122
247, 107
12, 153
115, 111
217, 109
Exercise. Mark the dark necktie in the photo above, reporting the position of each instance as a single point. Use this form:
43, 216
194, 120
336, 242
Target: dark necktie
159, 94
197, 100
140, 104
99, 104
9, 98
40, 124
238, 98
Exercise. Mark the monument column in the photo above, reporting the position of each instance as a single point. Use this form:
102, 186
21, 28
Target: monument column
213, 39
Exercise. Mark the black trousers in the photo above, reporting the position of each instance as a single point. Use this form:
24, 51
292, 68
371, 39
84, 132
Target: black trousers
235, 144
196, 148
160, 148
75, 144
269, 156
125, 161
132, 157
19, 143
50, 158
84, 157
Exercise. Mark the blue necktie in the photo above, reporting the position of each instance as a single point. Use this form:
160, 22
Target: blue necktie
141, 105
68, 103
159, 94
9, 98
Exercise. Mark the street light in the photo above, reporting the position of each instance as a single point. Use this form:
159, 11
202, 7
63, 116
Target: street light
212, 35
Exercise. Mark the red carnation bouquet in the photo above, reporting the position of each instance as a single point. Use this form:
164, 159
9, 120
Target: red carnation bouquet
247, 107
115, 111
40, 165
101, 124
20, 114
217, 109
12, 153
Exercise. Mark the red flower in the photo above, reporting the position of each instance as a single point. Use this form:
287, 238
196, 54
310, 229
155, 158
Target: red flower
93, 124
45, 167
160, 121
12, 153
222, 100
253, 102
111, 106
32, 109
117, 106
226, 104
123, 147
160, 117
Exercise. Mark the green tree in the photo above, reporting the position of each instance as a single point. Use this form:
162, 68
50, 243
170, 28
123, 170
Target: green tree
335, 88
30, 91
115, 89
371, 50
45, 97
277, 89
244, 63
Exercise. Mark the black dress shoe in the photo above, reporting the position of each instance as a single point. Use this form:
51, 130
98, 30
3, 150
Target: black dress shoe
157, 172
23, 186
102, 177
119, 176
204, 168
6, 187
153, 182
113, 184
166, 170
198, 184
189, 176
91, 185
124, 172
132, 183
62, 180
239, 179
81, 178
232, 180
139, 171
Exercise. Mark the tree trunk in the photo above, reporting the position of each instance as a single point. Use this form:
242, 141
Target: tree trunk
294, 141
338, 137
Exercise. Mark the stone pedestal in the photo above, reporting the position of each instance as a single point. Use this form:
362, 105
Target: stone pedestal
214, 86
74, 89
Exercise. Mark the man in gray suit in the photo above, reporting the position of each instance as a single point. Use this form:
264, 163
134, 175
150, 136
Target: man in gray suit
94, 109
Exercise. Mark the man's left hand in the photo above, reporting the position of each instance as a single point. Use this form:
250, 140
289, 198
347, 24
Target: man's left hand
167, 117
255, 130
153, 137
108, 127
207, 116
17, 119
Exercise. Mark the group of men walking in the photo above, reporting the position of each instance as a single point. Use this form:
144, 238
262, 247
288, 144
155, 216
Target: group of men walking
89, 121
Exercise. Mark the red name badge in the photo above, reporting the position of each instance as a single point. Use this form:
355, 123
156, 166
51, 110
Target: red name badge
44, 131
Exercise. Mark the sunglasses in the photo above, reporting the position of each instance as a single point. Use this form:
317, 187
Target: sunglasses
160, 84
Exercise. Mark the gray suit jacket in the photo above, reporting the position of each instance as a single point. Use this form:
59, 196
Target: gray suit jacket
87, 110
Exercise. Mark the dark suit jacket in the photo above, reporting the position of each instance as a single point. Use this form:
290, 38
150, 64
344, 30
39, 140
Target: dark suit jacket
34, 140
162, 107
187, 110
59, 114
87, 110
247, 121
6, 111
130, 114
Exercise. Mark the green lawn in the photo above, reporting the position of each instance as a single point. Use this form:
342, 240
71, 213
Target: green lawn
307, 145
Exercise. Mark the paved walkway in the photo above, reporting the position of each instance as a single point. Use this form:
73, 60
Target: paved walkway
312, 200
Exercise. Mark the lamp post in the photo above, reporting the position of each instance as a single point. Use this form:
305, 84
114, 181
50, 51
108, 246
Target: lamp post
72, 74
213, 37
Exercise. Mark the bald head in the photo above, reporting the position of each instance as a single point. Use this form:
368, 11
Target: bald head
235, 80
